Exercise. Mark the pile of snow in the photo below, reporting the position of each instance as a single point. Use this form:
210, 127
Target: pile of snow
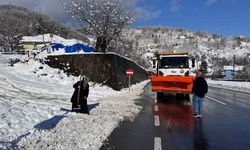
66, 42
232, 85
50, 38
35, 108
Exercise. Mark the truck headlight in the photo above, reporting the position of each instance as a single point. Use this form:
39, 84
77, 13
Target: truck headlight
181, 71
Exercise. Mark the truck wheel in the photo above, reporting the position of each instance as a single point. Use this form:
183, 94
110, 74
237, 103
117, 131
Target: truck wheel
187, 97
159, 95
179, 96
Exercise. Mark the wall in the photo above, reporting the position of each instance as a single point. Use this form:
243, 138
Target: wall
108, 69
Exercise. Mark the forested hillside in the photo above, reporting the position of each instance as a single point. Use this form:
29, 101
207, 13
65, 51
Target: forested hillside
138, 44
16, 22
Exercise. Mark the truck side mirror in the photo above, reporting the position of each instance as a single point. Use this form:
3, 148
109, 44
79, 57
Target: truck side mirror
193, 62
154, 66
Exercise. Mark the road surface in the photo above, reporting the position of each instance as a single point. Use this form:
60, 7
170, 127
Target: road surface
169, 124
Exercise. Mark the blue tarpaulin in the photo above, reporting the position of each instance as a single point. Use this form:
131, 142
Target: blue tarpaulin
56, 46
72, 48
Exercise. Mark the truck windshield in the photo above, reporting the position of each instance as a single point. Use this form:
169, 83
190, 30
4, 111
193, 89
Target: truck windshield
174, 62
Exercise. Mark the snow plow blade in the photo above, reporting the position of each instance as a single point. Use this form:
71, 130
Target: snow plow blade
172, 84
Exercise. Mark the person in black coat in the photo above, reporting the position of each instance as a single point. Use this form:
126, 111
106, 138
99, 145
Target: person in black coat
199, 90
80, 97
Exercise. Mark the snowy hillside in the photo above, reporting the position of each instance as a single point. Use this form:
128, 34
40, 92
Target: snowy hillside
163, 38
203, 46
18, 21
35, 108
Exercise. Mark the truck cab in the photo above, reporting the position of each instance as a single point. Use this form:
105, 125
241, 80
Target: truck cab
173, 66
174, 73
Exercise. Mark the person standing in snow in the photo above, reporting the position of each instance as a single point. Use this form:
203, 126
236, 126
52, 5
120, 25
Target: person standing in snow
199, 90
80, 96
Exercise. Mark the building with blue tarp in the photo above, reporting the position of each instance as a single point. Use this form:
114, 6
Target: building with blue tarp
230, 72
71, 48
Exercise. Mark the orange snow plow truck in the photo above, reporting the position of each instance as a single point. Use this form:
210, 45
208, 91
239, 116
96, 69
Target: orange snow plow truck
173, 73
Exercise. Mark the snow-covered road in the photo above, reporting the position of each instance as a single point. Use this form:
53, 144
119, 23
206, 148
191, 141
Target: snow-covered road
35, 109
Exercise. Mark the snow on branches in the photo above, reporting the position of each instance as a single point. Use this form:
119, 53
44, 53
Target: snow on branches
104, 18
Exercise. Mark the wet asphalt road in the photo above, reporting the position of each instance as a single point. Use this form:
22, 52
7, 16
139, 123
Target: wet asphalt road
225, 124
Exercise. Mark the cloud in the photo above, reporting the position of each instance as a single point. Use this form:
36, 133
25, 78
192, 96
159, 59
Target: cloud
52, 8
145, 14
174, 5
55, 9
143, 10
210, 2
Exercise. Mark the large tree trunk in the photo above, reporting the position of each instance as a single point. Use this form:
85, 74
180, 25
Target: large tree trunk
101, 44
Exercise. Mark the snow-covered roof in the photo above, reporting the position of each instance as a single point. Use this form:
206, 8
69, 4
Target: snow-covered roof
236, 68
38, 38
51, 38
228, 67
239, 68
182, 37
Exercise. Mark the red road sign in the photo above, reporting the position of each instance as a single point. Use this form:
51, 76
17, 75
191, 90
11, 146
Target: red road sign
130, 72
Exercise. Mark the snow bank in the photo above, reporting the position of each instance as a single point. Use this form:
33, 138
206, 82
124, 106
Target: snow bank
50, 38
35, 109
231, 85
79, 131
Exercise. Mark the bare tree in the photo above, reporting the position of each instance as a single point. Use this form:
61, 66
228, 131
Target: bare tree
10, 33
105, 19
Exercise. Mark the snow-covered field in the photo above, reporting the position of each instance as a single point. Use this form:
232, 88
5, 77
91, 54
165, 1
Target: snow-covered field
35, 108
232, 85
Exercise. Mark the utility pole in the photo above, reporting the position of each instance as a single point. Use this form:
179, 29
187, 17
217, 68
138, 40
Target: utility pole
233, 67
41, 20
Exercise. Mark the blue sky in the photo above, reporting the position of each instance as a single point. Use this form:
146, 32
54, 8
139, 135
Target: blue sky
225, 17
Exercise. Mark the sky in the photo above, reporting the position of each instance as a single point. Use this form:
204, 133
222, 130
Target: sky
224, 17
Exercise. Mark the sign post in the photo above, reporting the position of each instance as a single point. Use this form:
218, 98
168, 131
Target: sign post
129, 73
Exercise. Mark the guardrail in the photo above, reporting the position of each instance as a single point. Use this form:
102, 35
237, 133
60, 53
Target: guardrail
235, 80
15, 52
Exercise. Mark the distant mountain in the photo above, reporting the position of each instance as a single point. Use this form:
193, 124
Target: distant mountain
165, 39
212, 48
16, 22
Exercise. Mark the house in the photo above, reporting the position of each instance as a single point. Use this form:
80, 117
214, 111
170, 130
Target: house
34, 42
189, 35
182, 37
230, 72
53, 43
